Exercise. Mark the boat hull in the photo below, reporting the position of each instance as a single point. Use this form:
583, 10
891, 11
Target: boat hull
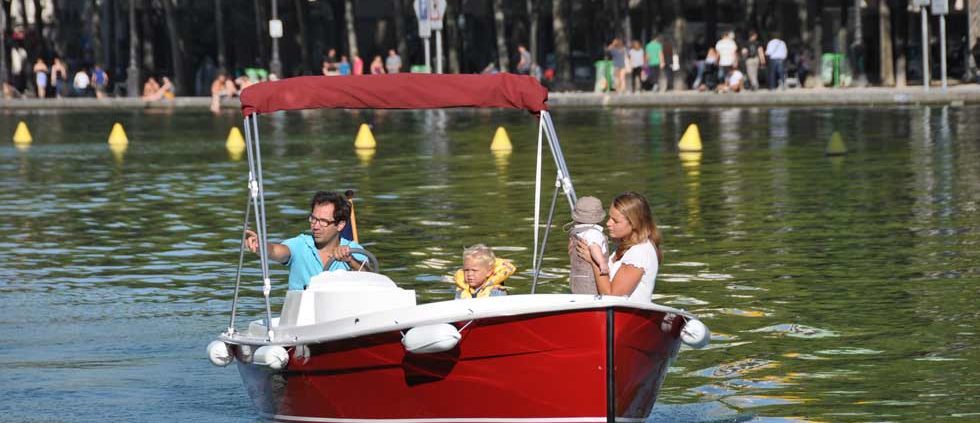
590, 365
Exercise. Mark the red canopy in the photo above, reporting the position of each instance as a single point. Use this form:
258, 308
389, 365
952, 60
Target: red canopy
396, 91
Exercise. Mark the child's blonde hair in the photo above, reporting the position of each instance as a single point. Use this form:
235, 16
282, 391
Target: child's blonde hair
481, 253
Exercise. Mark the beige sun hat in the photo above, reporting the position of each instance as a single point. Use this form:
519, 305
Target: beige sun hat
588, 210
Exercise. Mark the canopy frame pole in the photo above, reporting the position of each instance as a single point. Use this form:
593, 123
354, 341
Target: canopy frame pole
258, 195
241, 262
537, 202
544, 240
563, 180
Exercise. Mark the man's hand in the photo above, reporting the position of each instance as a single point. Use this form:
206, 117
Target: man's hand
342, 253
251, 241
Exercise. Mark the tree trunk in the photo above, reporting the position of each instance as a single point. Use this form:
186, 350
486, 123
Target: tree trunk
149, 63
133, 70
351, 30
304, 53
176, 48
219, 20
452, 34
95, 30
533, 16
901, 68
562, 48
503, 57
973, 33
680, 26
802, 14
261, 32
401, 28
816, 43
887, 71
3, 47
627, 26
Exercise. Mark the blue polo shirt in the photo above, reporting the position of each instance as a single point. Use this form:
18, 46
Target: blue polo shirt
304, 260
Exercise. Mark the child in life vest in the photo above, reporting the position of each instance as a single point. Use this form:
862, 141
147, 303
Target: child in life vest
483, 274
586, 217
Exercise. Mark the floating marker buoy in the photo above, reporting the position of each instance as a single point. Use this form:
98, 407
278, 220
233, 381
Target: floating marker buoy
836, 145
365, 139
691, 140
235, 141
501, 141
22, 135
118, 135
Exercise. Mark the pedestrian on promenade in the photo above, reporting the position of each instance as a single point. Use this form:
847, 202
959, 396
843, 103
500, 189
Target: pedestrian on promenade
329, 63
377, 66
707, 76
734, 81
18, 68
655, 62
221, 87
776, 53
358, 65
673, 63
100, 79
636, 66
755, 57
81, 83
41, 77
976, 59
59, 76
343, 68
727, 53
524, 61
617, 50
394, 62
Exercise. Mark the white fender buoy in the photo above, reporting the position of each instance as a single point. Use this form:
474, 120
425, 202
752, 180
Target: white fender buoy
219, 354
271, 356
431, 338
695, 334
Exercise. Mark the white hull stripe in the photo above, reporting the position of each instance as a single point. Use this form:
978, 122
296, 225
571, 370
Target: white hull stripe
282, 417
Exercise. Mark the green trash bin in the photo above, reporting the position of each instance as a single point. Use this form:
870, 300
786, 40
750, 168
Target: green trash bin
603, 76
420, 69
830, 69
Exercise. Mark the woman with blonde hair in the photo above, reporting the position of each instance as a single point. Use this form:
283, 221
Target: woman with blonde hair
633, 267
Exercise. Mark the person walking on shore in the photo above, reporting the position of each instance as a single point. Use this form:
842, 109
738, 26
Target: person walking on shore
636, 66
655, 62
776, 53
727, 54
617, 50
755, 57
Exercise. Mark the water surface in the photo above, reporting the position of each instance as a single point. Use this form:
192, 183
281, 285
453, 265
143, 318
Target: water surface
837, 289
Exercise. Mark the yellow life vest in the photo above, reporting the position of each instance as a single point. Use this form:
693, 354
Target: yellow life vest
502, 269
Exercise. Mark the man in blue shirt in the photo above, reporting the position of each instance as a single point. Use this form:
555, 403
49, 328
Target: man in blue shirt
308, 254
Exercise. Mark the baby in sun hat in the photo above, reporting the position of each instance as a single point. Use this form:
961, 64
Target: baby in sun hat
586, 216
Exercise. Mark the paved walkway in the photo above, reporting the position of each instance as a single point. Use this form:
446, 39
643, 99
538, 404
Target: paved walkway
958, 95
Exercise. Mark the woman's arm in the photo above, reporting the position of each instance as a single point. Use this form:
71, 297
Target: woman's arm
627, 278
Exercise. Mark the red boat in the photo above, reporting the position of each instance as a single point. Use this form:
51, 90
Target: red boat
354, 347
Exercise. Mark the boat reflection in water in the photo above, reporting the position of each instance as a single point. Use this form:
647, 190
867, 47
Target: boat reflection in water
355, 347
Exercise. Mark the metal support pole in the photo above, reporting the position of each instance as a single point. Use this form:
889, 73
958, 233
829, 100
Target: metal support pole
942, 48
275, 66
438, 51
925, 48
544, 240
428, 55
257, 193
241, 262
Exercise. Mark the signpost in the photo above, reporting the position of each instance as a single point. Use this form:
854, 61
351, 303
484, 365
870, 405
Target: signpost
922, 4
941, 8
430, 13
425, 28
275, 32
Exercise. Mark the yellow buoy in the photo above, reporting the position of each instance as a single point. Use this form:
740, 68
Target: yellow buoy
691, 140
22, 135
836, 147
501, 141
118, 135
235, 140
365, 139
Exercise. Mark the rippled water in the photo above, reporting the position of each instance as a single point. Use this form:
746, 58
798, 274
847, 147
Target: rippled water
837, 289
